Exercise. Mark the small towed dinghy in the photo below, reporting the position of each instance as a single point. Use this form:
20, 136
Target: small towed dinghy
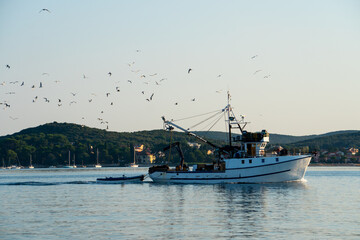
123, 179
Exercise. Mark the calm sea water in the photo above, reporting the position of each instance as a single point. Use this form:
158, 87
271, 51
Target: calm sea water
68, 204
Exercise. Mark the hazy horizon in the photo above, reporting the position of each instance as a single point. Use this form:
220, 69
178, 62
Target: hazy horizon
291, 67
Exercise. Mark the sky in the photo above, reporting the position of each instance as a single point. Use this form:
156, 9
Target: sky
291, 67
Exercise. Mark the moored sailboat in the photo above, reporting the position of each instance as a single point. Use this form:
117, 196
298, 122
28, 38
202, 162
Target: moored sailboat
69, 165
243, 160
97, 165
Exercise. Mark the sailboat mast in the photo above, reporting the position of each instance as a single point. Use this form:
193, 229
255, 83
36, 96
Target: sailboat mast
69, 157
228, 111
134, 154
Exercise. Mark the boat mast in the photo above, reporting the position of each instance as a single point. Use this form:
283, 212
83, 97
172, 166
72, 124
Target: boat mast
228, 110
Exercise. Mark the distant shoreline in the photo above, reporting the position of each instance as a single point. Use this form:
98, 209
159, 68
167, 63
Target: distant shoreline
334, 165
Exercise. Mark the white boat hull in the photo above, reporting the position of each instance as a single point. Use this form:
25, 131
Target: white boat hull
258, 170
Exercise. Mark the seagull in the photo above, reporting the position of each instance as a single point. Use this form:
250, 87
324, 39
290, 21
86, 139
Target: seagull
45, 73
257, 71
189, 70
151, 75
10, 93
107, 94
118, 89
22, 84
33, 86
46, 99
193, 99
74, 94
219, 75
143, 92
84, 76
151, 96
267, 76
254, 56
90, 100
13, 82
7, 66
72, 102
138, 50
110, 74
44, 10
111, 103
129, 81
163, 79
142, 76
2, 84
157, 83
59, 100
57, 81
176, 103
40, 84
13, 118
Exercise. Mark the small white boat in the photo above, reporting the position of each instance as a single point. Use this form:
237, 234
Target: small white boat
123, 179
134, 165
243, 160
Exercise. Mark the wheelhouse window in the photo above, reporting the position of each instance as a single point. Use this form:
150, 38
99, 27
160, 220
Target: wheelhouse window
263, 160
250, 160
277, 159
242, 161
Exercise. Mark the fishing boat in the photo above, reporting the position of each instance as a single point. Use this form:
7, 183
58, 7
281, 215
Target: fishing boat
243, 160
123, 179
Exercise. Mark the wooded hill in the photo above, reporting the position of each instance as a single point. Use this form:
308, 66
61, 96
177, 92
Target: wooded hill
50, 143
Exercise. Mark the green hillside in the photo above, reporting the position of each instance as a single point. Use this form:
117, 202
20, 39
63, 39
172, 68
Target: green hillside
279, 139
49, 144
331, 142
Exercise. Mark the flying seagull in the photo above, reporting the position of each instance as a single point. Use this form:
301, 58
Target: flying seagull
109, 74
254, 56
257, 71
189, 70
44, 10
8, 66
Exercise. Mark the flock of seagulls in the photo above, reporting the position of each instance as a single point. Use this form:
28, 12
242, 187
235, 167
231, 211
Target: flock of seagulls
147, 79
